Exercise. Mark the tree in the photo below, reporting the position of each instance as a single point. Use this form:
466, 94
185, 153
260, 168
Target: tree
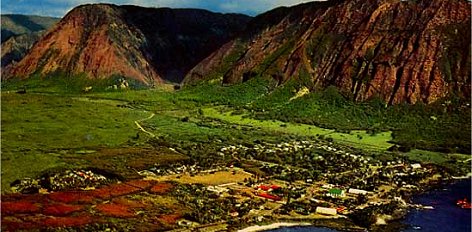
364, 217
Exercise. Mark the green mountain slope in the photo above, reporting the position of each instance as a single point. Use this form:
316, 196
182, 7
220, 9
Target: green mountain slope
400, 51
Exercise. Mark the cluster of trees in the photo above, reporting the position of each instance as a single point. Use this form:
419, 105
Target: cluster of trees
432, 127
60, 81
366, 217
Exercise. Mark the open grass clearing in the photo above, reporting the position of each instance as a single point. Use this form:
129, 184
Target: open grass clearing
35, 127
21, 165
358, 139
45, 122
427, 156
216, 178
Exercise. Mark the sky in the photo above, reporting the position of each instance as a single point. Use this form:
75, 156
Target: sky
59, 8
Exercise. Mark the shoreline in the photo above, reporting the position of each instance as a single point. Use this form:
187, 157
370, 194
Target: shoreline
335, 224
468, 176
273, 226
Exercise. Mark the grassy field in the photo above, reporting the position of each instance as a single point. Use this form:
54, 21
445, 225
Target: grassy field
45, 122
358, 139
41, 132
37, 130
56, 126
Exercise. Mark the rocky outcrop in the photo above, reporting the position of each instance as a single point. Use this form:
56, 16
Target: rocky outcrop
16, 47
19, 33
400, 50
147, 44
15, 24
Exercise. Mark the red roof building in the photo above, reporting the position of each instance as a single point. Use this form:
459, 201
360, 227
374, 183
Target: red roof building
268, 187
269, 196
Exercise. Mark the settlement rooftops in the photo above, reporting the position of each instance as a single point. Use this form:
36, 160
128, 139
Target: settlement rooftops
326, 211
268, 187
357, 191
335, 192
416, 166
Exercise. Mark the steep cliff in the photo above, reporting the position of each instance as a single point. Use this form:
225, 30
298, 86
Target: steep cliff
16, 47
150, 45
19, 33
400, 50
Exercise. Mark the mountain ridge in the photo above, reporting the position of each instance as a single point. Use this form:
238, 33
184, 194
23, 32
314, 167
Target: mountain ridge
401, 51
19, 33
151, 45
17, 24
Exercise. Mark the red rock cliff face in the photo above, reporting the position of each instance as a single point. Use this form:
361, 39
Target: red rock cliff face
82, 43
102, 40
403, 51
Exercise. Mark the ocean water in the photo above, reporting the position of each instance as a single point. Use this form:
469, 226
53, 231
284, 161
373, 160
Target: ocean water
446, 217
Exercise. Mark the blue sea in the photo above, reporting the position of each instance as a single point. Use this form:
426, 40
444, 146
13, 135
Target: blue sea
446, 217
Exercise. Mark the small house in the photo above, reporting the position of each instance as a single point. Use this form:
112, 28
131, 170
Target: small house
234, 214
327, 186
269, 196
268, 187
326, 211
335, 192
184, 223
217, 189
357, 191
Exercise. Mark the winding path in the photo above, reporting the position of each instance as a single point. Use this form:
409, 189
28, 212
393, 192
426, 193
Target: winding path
114, 102
142, 128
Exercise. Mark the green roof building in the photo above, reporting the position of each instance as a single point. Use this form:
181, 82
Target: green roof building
335, 192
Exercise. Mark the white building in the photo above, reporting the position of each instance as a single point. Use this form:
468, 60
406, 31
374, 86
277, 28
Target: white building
327, 186
217, 189
416, 166
326, 211
357, 191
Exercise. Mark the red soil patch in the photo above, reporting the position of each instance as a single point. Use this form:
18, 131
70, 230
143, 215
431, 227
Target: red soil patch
142, 184
161, 188
115, 210
103, 193
15, 224
9, 208
37, 198
129, 203
22, 222
115, 190
61, 209
170, 218
68, 221
123, 189
72, 197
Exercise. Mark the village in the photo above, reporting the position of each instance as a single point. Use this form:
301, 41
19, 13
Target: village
255, 183
300, 180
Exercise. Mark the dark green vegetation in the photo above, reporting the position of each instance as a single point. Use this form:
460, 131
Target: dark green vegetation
443, 126
13, 24
60, 82
55, 124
